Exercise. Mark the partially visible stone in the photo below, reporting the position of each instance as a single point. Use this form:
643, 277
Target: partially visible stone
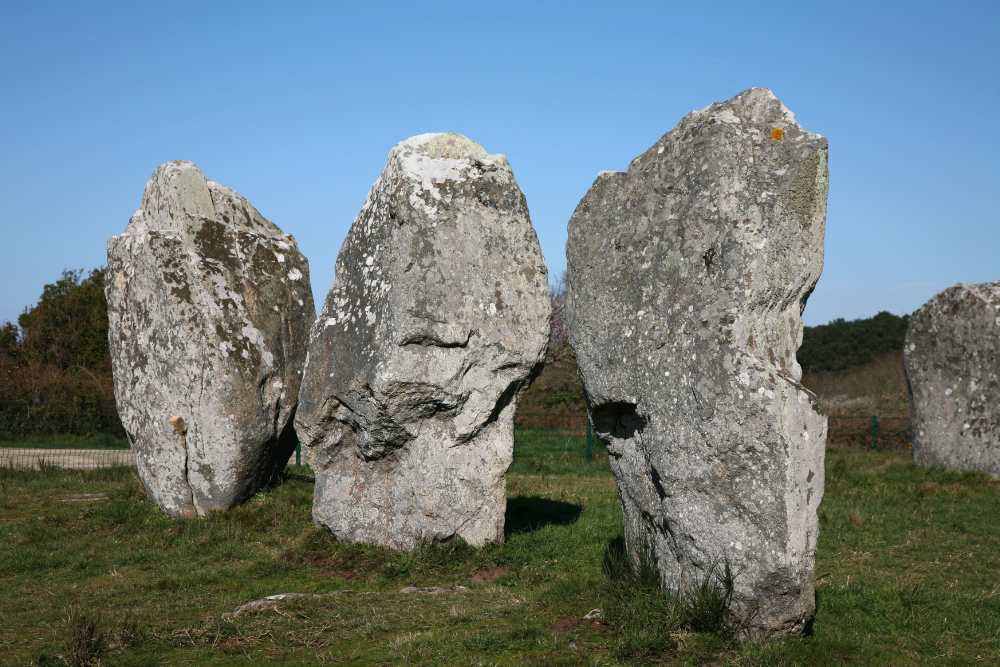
438, 315
952, 360
687, 276
209, 308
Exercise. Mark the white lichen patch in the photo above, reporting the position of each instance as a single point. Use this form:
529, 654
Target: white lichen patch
726, 115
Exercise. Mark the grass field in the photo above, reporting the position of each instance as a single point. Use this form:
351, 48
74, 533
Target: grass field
89, 570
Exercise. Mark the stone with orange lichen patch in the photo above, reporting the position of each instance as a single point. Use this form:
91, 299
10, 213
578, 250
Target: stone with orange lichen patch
686, 279
178, 424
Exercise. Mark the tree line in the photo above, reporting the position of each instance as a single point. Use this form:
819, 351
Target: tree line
56, 369
844, 344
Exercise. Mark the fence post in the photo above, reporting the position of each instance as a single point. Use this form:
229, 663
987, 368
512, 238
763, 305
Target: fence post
589, 452
874, 431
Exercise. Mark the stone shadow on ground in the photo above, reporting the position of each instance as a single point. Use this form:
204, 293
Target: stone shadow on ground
526, 514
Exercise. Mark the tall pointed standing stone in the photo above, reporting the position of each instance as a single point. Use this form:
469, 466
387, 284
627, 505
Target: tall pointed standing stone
952, 359
438, 315
687, 276
209, 307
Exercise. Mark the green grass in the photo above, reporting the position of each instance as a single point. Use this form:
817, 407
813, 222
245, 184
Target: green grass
67, 441
906, 572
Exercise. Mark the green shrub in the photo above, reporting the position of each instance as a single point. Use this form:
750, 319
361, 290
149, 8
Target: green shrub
845, 344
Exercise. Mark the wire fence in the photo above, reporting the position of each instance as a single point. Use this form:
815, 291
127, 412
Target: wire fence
887, 431
24, 458
882, 432
539, 417
870, 432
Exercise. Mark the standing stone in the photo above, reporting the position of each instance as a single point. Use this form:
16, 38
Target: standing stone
209, 309
952, 359
687, 276
438, 315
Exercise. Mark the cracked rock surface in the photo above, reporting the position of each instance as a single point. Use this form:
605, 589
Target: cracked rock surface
209, 308
952, 360
687, 276
438, 315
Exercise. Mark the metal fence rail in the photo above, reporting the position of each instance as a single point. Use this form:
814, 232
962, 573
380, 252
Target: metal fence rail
72, 459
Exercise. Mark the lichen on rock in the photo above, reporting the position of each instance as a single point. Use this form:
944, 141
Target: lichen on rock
952, 361
208, 335
438, 315
686, 280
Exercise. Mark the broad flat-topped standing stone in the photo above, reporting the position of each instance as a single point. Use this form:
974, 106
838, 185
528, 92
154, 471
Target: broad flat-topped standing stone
209, 308
952, 359
687, 276
438, 314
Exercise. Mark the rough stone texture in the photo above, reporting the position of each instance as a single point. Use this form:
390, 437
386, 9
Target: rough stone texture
687, 276
952, 359
209, 308
438, 315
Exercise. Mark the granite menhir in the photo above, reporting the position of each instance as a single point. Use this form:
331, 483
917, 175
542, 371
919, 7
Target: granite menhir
209, 308
438, 315
687, 276
952, 360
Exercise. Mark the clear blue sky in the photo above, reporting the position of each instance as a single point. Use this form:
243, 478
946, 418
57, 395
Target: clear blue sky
296, 105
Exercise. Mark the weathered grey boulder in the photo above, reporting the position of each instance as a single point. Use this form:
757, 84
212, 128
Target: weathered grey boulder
952, 360
686, 277
209, 308
437, 317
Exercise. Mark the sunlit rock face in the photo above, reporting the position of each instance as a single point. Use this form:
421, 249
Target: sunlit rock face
209, 309
438, 315
687, 276
952, 360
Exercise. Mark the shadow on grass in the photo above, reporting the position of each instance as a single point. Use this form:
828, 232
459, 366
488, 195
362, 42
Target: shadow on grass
526, 514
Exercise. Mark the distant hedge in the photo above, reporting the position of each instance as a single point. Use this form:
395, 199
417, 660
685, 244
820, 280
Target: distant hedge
55, 371
80, 415
843, 344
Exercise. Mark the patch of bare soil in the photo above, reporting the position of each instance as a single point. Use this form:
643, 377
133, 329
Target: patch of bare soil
487, 574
